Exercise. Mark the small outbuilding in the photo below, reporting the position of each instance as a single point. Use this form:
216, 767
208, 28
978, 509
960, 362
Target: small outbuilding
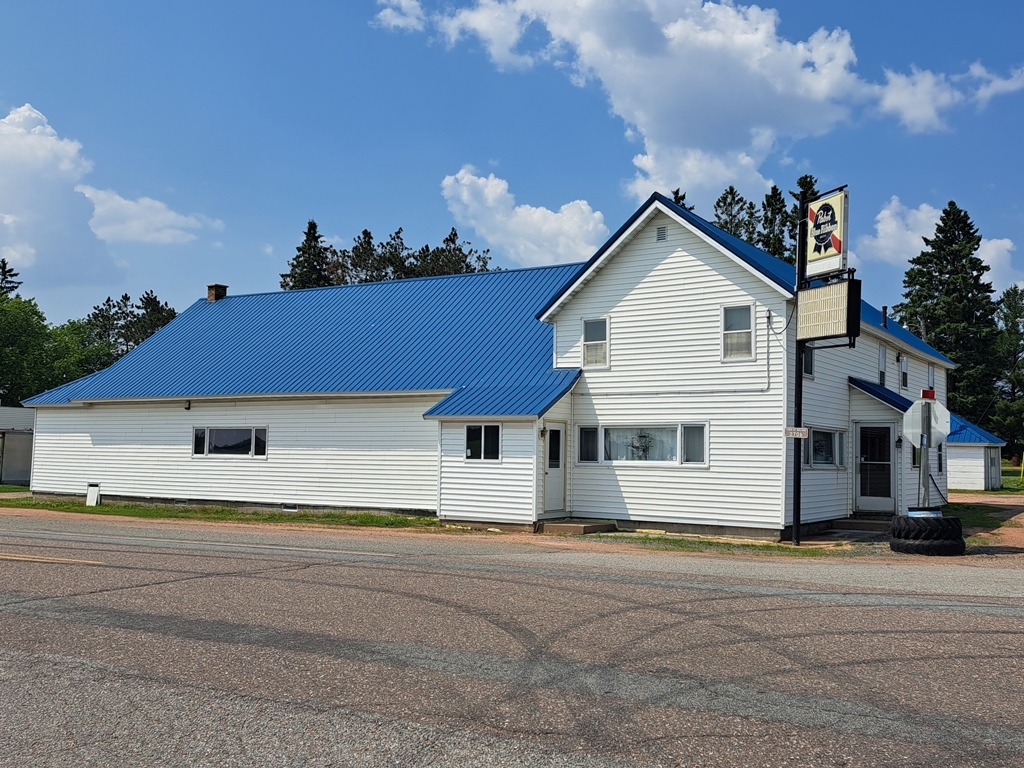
974, 457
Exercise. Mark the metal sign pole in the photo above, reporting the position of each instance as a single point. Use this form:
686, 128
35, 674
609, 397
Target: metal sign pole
923, 464
798, 370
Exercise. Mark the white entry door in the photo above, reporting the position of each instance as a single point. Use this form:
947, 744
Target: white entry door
875, 484
554, 468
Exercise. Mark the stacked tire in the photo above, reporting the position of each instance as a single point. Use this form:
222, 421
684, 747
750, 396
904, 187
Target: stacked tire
927, 535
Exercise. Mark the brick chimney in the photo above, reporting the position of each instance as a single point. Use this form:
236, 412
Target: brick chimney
216, 292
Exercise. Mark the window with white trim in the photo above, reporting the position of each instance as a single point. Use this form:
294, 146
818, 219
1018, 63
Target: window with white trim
881, 365
825, 448
737, 332
904, 370
483, 442
665, 444
695, 444
595, 343
229, 441
588, 444
931, 376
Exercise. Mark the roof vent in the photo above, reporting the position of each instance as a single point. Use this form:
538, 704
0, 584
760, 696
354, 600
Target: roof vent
662, 233
216, 292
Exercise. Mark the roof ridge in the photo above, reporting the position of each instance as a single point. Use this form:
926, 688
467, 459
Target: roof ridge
401, 280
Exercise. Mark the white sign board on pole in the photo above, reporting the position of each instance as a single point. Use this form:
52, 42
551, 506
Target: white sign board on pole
912, 422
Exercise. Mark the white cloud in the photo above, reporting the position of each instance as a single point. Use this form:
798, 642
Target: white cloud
711, 89
118, 220
898, 232
992, 85
997, 254
18, 254
401, 14
53, 224
529, 235
918, 99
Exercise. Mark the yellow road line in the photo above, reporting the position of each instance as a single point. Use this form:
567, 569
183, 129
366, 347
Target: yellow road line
40, 559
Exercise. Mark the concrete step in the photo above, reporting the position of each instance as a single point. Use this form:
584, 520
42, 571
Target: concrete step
575, 527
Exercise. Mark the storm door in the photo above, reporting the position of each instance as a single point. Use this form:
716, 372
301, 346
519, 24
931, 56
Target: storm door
554, 472
875, 483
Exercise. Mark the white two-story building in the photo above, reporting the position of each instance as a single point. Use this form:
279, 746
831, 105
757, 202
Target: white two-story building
650, 386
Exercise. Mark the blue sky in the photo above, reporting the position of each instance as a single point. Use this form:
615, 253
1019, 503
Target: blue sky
167, 146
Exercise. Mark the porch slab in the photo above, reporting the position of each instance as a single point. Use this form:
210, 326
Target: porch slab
575, 526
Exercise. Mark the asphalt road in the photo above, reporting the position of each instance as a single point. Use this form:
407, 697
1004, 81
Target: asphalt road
132, 643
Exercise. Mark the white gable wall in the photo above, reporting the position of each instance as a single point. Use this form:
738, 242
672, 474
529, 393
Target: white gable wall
365, 452
664, 303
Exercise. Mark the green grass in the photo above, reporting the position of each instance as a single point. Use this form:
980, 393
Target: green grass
228, 514
13, 488
979, 515
753, 549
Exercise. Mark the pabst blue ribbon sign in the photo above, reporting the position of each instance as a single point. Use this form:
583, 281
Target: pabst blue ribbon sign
826, 234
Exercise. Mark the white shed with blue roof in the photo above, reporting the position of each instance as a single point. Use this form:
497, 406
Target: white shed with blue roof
649, 386
975, 457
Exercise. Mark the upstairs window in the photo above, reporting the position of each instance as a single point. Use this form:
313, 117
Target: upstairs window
809, 362
881, 366
483, 442
595, 343
737, 333
229, 441
931, 377
904, 371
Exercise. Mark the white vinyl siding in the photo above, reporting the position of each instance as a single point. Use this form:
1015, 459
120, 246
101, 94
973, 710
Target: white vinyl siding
664, 301
492, 491
361, 453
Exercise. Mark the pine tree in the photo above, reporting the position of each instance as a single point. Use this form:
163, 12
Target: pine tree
8, 285
771, 237
679, 198
312, 265
947, 296
736, 215
809, 185
1008, 412
149, 317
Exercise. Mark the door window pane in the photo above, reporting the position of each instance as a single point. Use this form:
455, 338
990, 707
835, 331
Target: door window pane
554, 448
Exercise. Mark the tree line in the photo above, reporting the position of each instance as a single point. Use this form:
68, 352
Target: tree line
36, 356
317, 264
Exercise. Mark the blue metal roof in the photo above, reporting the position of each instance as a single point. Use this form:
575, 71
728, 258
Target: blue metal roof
961, 430
880, 393
475, 334
964, 432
